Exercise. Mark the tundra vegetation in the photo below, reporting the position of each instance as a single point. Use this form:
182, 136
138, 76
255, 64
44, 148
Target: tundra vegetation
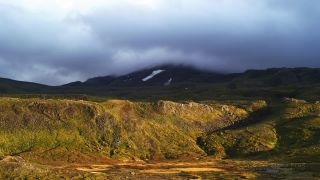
85, 139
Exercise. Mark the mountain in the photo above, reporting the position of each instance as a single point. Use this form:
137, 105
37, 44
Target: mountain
170, 74
178, 82
160, 76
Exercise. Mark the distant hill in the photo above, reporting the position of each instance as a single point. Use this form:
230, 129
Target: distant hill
280, 77
9, 86
184, 82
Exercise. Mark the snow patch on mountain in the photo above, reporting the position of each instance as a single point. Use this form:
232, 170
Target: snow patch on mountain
168, 82
154, 73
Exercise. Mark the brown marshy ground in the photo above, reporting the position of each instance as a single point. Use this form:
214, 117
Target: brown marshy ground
203, 169
206, 168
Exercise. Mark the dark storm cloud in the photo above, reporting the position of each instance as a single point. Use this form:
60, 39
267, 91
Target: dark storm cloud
57, 46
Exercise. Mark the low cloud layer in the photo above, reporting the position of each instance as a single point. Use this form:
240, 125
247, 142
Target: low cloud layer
59, 41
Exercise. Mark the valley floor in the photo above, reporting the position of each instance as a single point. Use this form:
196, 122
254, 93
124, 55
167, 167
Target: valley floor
16, 167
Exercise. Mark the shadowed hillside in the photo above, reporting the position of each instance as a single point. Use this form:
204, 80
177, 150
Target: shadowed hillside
290, 133
178, 83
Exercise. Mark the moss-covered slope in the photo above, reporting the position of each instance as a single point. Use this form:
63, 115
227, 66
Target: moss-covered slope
65, 130
82, 131
289, 132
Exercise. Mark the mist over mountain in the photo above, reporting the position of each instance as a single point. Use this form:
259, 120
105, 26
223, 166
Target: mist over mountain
57, 42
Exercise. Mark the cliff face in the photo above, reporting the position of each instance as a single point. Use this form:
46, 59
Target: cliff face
66, 130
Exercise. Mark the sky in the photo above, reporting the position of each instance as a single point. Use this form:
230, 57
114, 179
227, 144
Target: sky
59, 41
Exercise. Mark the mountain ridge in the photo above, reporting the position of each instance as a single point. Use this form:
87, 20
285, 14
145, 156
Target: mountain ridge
185, 83
105, 80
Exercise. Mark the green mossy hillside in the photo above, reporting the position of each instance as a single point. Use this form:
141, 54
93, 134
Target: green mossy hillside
82, 131
289, 132
73, 131
241, 142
